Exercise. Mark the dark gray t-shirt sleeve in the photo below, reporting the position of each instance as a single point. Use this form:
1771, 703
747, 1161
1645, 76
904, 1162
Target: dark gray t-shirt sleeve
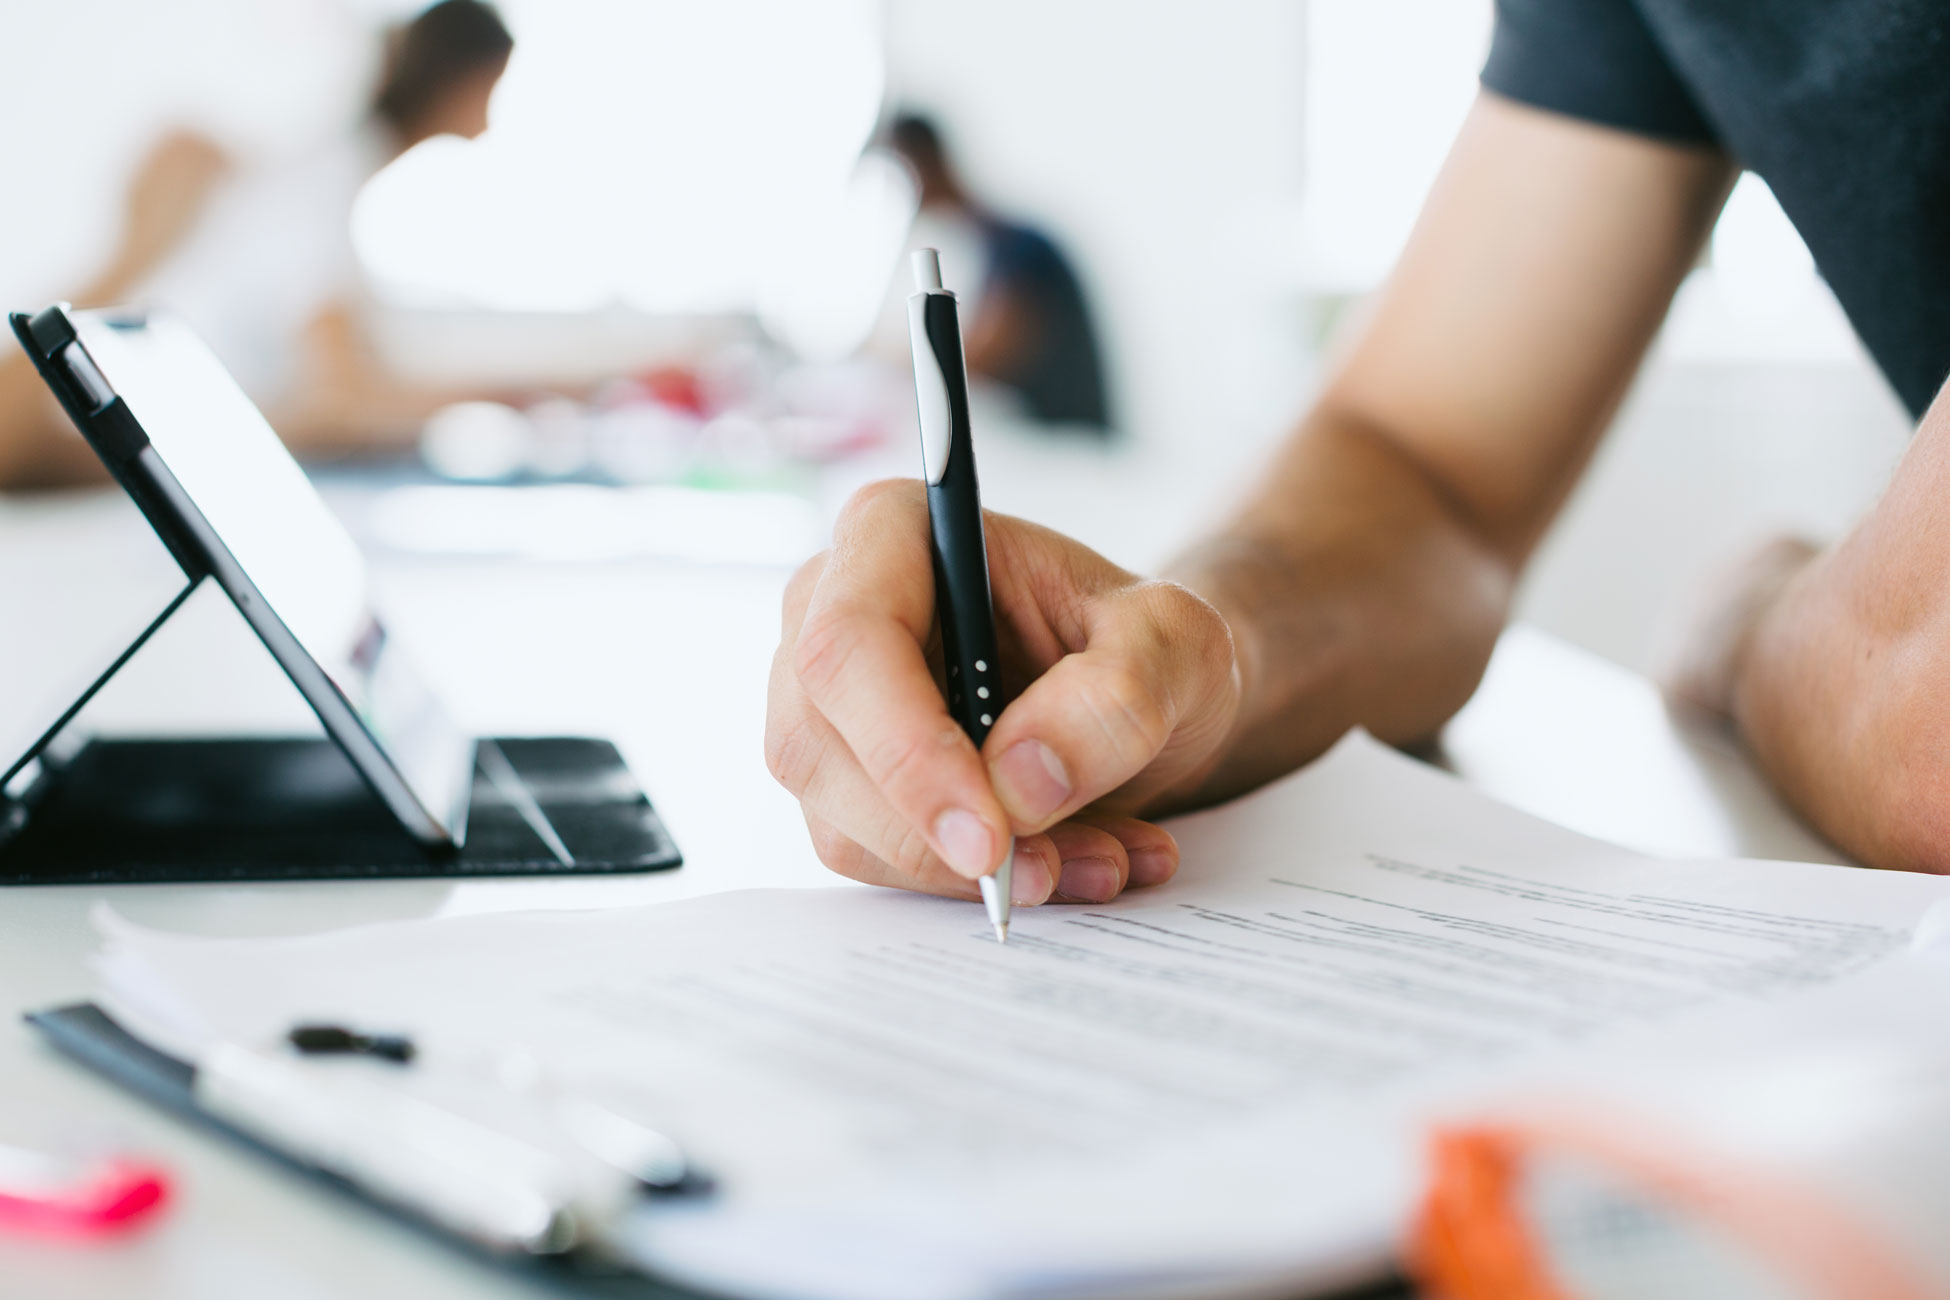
1591, 59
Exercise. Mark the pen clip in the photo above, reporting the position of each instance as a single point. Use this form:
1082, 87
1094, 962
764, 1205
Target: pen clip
932, 359
931, 403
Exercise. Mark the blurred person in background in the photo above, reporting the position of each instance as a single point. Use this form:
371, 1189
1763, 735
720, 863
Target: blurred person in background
1030, 326
1366, 577
261, 264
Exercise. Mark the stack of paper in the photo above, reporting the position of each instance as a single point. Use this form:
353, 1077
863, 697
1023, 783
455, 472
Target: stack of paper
1218, 1086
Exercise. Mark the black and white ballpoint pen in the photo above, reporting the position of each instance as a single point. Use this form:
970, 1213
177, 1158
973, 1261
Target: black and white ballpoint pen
961, 560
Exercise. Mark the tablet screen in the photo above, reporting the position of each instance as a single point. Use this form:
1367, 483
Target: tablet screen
288, 543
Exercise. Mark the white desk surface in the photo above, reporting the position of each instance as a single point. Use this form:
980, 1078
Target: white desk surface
670, 661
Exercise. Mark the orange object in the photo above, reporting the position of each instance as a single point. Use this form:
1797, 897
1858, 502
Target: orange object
1473, 1240
1470, 1240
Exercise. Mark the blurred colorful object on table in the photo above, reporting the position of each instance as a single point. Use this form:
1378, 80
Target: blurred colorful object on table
47, 1195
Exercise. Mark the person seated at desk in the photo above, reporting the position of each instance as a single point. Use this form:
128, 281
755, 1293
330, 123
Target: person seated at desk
1365, 580
262, 266
1030, 328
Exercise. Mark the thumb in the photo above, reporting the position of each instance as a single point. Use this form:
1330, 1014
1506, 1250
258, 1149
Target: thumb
1158, 661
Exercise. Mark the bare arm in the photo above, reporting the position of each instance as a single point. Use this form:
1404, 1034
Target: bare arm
1842, 688
1367, 579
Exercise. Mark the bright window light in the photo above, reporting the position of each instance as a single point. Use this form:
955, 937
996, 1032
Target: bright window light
1388, 83
666, 157
1757, 253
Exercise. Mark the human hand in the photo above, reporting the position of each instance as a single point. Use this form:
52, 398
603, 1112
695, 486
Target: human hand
1121, 694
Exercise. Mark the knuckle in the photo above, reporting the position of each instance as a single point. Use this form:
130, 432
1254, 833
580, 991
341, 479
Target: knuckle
1131, 717
1209, 626
792, 752
798, 591
1188, 632
1179, 614
879, 500
833, 849
893, 757
911, 853
819, 657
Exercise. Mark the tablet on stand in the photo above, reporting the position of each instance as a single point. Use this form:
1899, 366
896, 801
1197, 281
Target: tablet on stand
395, 788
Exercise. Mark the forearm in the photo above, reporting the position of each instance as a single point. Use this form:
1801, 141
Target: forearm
1367, 580
1357, 595
1842, 688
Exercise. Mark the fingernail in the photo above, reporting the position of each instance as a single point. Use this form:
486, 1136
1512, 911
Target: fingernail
964, 842
1029, 883
1152, 866
1030, 780
1088, 880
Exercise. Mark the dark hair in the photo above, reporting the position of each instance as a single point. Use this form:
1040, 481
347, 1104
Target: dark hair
431, 55
916, 138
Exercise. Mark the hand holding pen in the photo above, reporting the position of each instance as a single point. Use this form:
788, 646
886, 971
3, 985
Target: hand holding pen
1120, 693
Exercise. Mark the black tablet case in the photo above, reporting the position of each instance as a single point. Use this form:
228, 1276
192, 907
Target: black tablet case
295, 808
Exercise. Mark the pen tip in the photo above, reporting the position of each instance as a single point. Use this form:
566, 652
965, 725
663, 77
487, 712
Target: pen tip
1002, 932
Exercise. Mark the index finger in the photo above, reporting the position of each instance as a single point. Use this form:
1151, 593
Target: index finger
861, 660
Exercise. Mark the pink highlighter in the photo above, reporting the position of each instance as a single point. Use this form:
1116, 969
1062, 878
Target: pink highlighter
53, 1196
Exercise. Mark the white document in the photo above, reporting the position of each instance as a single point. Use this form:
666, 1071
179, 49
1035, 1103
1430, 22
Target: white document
1215, 1085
